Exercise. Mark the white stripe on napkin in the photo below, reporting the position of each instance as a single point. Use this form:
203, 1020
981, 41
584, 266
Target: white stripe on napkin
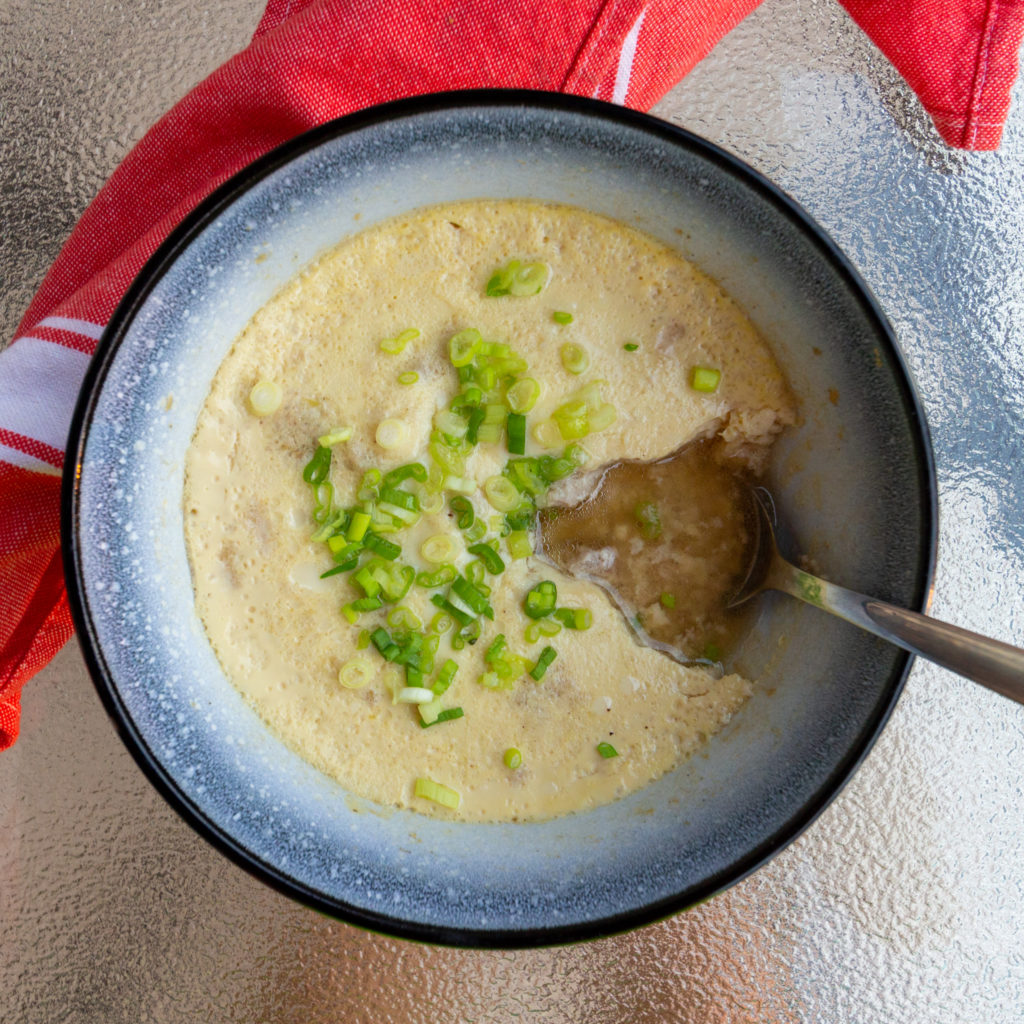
39, 384
67, 323
626, 57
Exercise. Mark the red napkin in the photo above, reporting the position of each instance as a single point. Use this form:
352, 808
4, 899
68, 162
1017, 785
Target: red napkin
311, 60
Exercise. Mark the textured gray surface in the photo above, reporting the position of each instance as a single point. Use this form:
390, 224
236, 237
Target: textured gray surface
903, 903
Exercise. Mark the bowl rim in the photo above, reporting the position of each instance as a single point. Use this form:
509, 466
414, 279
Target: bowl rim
205, 212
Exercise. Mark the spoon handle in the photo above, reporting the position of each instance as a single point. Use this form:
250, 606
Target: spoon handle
991, 663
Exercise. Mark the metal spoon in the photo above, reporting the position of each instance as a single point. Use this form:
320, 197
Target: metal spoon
991, 663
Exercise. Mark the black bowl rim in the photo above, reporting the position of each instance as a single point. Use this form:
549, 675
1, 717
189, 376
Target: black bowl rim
176, 242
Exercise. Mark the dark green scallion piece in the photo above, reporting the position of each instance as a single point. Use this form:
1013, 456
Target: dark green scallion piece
491, 559
541, 600
316, 470
547, 656
463, 508
515, 427
448, 715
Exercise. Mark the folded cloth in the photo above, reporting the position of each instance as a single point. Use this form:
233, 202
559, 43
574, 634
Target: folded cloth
312, 60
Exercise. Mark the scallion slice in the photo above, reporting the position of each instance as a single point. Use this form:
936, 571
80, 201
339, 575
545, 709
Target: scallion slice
561, 317
491, 559
607, 750
463, 509
448, 715
461, 617
522, 396
440, 794
515, 426
356, 673
574, 357
315, 471
408, 378
335, 436
513, 758
540, 600
463, 347
381, 546
574, 618
518, 544
415, 695
501, 492
705, 379
265, 397
631, 346
445, 676
547, 656
391, 433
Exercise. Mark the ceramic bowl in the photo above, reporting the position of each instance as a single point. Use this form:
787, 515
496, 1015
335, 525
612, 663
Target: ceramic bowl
855, 476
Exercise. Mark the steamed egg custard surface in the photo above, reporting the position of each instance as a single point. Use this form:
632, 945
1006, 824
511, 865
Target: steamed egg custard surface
361, 497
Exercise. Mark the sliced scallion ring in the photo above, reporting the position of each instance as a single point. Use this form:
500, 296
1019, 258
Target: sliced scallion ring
265, 397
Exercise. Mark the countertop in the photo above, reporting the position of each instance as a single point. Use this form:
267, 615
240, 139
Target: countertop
903, 902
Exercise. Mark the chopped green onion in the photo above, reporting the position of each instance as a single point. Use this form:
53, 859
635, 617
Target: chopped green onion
356, 673
448, 715
397, 344
381, 546
471, 597
523, 395
408, 378
367, 604
363, 640
648, 520
460, 484
450, 423
476, 419
415, 695
529, 280
350, 613
547, 656
396, 496
547, 434
381, 639
607, 750
631, 346
445, 574
712, 652
461, 617
401, 617
561, 317
518, 544
518, 279
391, 433
400, 474
404, 515
501, 492
574, 357
265, 398
358, 527
513, 758
540, 600
463, 508
516, 427
462, 347
491, 559
440, 794
705, 379
445, 676
315, 471
667, 600
335, 436
438, 549
574, 618
334, 572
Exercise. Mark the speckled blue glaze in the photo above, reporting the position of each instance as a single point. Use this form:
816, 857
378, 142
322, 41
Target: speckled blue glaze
854, 477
